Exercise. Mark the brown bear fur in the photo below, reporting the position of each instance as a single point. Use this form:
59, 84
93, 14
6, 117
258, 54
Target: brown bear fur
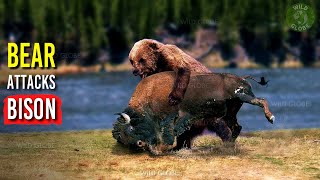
149, 56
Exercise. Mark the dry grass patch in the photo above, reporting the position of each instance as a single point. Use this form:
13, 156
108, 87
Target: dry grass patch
285, 154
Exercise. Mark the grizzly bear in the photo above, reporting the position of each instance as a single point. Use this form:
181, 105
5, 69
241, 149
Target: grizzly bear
149, 56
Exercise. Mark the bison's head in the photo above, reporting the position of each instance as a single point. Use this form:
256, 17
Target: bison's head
144, 131
144, 56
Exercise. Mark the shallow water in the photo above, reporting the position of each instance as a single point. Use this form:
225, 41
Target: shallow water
90, 101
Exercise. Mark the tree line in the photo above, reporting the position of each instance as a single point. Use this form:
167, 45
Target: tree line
87, 27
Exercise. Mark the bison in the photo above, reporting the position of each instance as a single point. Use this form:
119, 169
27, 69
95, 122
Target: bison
211, 101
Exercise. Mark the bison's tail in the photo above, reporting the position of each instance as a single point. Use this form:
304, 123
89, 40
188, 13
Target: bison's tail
262, 83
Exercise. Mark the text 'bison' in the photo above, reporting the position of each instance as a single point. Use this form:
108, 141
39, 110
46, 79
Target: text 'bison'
212, 101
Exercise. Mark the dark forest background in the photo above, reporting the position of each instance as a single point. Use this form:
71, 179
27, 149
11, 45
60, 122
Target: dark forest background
105, 30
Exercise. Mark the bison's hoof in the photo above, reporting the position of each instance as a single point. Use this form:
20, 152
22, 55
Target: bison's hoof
272, 119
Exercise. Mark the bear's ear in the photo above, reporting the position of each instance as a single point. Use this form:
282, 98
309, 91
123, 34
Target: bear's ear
154, 45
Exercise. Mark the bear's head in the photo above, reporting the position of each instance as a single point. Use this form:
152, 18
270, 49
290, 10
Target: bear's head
144, 56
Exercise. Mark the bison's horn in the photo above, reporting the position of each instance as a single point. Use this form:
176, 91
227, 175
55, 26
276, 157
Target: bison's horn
125, 116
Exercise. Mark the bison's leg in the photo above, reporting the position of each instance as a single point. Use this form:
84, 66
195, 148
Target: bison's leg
185, 130
249, 98
185, 139
233, 108
234, 127
220, 127
228, 123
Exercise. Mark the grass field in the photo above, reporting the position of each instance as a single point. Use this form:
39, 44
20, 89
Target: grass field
278, 154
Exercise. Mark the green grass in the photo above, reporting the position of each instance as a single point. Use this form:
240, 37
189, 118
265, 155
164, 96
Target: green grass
282, 154
270, 159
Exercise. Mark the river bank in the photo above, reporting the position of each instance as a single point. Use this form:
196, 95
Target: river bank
280, 154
